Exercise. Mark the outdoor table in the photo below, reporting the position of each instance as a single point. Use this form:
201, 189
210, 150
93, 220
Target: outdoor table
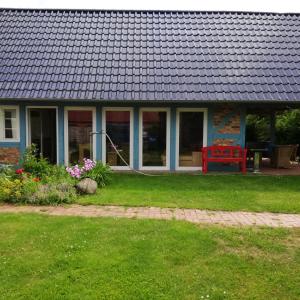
257, 159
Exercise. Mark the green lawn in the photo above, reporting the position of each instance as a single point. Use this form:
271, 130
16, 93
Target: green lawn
43, 257
216, 192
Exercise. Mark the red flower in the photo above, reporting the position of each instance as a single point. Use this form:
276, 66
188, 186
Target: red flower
36, 179
19, 171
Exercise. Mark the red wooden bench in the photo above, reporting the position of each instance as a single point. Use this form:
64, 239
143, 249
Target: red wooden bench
224, 154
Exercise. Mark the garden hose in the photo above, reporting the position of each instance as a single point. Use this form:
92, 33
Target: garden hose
120, 155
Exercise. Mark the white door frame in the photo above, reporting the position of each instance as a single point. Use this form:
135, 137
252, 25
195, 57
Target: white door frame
66, 131
178, 111
130, 110
28, 126
154, 168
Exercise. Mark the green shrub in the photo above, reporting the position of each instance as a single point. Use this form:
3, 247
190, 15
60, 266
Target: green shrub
23, 187
52, 193
10, 189
100, 173
58, 174
7, 171
35, 165
29, 187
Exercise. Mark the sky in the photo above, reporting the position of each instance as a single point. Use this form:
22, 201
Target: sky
231, 5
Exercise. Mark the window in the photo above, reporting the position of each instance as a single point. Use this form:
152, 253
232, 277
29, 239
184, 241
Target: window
9, 118
191, 130
80, 140
117, 122
154, 139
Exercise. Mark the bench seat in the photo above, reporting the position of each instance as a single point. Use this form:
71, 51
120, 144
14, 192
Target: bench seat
224, 154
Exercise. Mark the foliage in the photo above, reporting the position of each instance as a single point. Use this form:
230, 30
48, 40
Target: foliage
36, 182
52, 193
91, 169
257, 128
34, 164
288, 127
101, 173
58, 174
28, 189
7, 171
10, 189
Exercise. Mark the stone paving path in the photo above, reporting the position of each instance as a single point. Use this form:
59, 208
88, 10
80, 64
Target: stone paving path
190, 215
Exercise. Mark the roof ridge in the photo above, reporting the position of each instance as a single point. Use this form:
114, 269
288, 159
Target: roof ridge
241, 12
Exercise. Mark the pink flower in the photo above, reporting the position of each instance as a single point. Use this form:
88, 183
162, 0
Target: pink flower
88, 164
77, 171
74, 171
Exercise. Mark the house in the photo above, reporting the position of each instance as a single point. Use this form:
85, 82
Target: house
162, 84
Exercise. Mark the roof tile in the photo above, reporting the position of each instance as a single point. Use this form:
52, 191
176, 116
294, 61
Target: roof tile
133, 55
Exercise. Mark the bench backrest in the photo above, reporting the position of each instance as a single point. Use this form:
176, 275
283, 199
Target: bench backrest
223, 151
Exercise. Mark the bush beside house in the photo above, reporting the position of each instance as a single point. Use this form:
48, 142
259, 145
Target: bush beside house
38, 182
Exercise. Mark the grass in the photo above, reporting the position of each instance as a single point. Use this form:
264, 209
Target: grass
219, 192
44, 257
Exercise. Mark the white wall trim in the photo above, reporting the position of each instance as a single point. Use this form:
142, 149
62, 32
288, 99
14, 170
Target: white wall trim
104, 110
66, 132
2, 124
28, 129
178, 111
154, 168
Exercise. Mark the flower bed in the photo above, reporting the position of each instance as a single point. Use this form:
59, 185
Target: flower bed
39, 182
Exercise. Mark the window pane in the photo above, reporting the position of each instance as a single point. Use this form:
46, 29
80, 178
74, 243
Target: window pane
43, 132
10, 113
9, 133
118, 128
190, 139
80, 124
10, 123
154, 138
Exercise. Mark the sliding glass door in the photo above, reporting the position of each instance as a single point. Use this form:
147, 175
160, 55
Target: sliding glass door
191, 128
79, 138
154, 140
42, 132
117, 123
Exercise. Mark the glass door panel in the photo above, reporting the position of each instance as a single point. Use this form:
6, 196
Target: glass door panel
190, 138
118, 128
80, 125
42, 124
154, 138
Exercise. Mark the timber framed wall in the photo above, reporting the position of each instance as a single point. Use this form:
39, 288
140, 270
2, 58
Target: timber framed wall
225, 125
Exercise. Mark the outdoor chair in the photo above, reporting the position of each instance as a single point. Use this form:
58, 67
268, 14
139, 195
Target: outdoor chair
281, 157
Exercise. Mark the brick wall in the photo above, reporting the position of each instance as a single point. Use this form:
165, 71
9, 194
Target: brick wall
9, 155
226, 120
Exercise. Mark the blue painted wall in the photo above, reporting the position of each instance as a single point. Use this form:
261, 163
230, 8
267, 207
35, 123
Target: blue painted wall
98, 136
173, 139
61, 132
211, 135
238, 138
136, 144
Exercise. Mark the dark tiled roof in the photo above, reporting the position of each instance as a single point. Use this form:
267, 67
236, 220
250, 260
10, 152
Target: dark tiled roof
148, 55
